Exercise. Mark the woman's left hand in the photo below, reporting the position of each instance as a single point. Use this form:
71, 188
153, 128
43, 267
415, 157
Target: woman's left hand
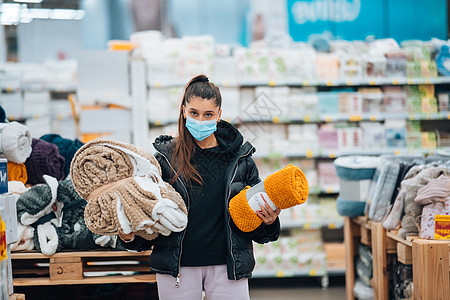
267, 215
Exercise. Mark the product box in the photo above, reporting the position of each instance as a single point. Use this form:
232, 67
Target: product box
442, 227
9, 215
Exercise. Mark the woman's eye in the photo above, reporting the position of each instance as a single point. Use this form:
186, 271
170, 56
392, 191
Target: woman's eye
208, 115
193, 113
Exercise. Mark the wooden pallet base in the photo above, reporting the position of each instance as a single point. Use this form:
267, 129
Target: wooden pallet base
90, 267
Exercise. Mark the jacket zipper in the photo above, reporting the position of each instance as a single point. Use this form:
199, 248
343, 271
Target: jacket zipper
229, 216
177, 282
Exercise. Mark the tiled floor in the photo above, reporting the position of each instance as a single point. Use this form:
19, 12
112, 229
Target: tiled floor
296, 288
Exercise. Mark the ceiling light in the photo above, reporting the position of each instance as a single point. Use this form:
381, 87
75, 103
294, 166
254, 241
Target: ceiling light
40, 13
28, 1
63, 14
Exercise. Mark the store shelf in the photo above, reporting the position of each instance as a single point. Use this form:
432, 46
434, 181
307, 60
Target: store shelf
315, 82
312, 225
289, 273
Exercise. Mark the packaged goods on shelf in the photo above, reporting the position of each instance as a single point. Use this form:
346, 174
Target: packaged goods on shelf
395, 134
147, 42
350, 103
396, 64
39, 126
36, 104
328, 180
327, 66
13, 105
373, 135
443, 99
394, 99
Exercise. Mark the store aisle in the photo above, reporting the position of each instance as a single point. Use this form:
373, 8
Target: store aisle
296, 288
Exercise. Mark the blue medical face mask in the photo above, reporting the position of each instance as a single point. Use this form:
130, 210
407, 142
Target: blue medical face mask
200, 130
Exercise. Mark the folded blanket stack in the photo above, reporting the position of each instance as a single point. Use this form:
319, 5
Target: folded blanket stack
15, 142
125, 192
44, 160
51, 218
66, 147
285, 188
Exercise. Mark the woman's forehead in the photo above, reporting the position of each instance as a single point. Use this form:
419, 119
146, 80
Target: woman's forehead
201, 104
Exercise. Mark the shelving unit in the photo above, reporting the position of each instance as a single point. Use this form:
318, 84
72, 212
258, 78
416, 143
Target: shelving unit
430, 259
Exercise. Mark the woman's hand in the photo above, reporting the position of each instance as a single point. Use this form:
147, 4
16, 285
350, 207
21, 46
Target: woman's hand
126, 237
267, 215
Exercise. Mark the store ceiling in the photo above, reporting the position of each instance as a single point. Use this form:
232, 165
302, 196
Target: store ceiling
51, 4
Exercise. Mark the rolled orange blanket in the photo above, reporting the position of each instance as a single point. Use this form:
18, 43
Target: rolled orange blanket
17, 172
285, 188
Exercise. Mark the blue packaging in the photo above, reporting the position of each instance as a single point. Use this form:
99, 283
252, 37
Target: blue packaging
3, 176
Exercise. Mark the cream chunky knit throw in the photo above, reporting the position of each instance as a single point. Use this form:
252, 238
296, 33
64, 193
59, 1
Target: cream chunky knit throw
125, 192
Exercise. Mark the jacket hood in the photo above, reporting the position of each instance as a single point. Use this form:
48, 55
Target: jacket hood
228, 137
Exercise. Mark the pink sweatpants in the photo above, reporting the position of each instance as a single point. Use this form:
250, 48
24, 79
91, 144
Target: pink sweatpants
211, 279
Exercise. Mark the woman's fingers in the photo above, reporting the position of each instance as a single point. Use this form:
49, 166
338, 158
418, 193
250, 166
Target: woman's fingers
267, 215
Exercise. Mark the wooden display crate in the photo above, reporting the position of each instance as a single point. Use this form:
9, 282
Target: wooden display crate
430, 259
89, 267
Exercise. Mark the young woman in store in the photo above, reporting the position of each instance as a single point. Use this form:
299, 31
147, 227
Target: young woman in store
208, 164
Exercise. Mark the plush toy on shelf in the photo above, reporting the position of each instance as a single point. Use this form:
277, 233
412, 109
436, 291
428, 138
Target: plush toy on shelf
285, 188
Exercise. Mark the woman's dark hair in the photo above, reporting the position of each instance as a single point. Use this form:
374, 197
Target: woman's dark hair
198, 86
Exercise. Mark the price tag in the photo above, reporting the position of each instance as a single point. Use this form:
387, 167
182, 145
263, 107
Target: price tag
309, 153
60, 117
372, 82
36, 117
307, 118
412, 117
157, 84
331, 155
328, 119
427, 81
226, 83
331, 226
158, 122
305, 82
448, 116
349, 83
271, 83
397, 152
276, 120
373, 118
279, 274
395, 81
329, 83
329, 190
354, 118
9, 89
12, 118
410, 81
312, 272
307, 226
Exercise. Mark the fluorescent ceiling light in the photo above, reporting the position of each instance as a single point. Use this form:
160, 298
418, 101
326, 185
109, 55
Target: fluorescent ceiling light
63, 14
28, 1
40, 13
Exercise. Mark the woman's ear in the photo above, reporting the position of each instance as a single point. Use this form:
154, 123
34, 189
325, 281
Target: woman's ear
220, 115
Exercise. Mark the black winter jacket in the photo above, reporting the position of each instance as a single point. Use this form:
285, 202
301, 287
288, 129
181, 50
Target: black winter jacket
241, 172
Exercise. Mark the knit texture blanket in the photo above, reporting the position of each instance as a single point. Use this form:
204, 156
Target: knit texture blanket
17, 172
125, 192
51, 218
44, 160
285, 188
66, 147
15, 142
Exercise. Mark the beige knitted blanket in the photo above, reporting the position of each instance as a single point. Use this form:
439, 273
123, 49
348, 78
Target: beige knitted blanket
125, 191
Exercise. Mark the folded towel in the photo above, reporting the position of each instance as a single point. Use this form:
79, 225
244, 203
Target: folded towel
66, 147
44, 160
125, 192
17, 172
15, 142
25, 235
285, 188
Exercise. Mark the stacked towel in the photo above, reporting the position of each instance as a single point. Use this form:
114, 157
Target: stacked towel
17, 172
285, 188
15, 143
44, 160
66, 147
125, 192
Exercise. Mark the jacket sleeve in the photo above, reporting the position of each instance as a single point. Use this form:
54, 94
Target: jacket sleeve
139, 244
264, 233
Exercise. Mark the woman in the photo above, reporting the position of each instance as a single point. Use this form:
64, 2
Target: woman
208, 164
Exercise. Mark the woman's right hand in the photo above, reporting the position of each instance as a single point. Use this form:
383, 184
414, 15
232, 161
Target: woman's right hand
127, 238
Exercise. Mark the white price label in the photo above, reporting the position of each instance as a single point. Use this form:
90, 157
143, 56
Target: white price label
258, 199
